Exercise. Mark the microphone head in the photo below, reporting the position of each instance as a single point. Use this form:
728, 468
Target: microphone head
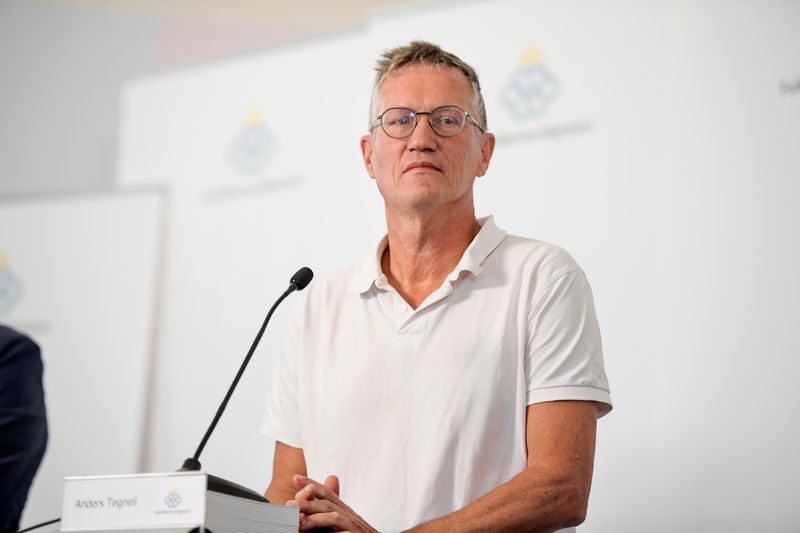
302, 278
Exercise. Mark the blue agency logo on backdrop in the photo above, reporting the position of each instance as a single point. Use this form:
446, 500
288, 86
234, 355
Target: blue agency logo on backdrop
530, 95
252, 147
11, 288
532, 88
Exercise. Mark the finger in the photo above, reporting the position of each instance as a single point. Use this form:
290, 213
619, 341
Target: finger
311, 492
309, 507
332, 482
301, 481
332, 519
315, 490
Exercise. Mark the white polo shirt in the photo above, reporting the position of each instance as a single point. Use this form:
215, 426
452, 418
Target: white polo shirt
419, 412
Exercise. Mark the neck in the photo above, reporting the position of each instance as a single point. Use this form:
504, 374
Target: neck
424, 248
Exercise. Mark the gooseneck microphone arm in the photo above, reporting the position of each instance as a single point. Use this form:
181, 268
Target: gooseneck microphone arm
298, 282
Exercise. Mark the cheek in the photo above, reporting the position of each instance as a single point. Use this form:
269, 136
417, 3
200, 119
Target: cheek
468, 161
385, 160
476, 159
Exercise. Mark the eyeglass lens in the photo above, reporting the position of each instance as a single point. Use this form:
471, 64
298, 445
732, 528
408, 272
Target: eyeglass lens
399, 122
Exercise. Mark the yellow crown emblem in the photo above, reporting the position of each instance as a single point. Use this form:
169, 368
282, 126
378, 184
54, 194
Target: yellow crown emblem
531, 56
253, 117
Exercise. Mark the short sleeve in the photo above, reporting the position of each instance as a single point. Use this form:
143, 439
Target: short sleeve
281, 421
564, 354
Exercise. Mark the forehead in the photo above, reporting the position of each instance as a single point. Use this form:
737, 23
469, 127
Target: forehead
425, 87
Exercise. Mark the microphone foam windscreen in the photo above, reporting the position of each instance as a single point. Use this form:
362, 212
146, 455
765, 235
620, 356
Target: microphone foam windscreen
302, 278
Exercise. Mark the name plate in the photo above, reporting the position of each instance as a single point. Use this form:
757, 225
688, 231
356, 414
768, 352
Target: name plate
134, 501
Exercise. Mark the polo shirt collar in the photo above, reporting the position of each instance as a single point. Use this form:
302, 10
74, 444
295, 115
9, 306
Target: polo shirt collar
369, 272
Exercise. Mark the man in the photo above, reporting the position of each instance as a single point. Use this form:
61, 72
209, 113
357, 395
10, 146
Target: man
23, 425
454, 379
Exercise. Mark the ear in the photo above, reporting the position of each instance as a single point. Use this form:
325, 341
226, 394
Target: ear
366, 154
487, 149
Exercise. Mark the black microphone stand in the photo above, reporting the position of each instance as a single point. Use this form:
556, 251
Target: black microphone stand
298, 282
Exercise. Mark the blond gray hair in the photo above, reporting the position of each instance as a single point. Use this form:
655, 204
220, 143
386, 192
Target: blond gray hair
416, 53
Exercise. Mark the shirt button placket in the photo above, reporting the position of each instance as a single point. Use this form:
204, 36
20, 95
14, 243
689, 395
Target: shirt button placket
402, 310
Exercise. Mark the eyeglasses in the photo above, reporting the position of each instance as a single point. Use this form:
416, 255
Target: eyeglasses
447, 121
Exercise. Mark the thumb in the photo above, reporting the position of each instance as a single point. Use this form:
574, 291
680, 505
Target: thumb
332, 482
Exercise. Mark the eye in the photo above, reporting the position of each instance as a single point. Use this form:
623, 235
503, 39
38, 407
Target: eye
400, 121
448, 120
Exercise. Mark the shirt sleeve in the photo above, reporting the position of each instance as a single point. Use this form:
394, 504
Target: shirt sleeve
564, 354
281, 421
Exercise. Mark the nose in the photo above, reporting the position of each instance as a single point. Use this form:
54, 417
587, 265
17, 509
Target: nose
423, 138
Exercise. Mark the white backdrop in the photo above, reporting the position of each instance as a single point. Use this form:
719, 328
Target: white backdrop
656, 141
84, 270
261, 185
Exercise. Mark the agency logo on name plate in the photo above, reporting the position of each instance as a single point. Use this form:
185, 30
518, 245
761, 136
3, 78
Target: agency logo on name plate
532, 88
253, 145
10, 287
173, 499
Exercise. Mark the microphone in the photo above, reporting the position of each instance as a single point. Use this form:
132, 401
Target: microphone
301, 279
298, 282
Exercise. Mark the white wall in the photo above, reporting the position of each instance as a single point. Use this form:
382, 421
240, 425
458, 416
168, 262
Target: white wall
61, 69
239, 229
83, 269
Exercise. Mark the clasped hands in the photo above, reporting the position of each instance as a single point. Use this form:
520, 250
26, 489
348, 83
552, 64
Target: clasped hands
320, 507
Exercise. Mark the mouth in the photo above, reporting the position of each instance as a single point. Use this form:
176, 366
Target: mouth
421, 165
